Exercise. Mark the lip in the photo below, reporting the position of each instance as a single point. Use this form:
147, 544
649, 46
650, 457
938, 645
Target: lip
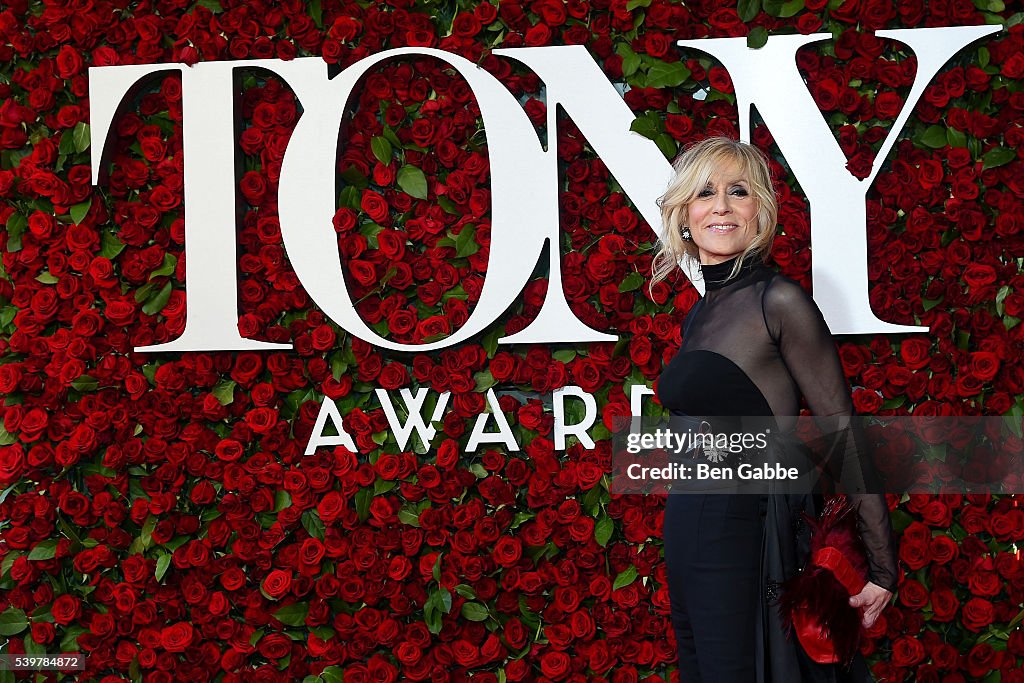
721, 228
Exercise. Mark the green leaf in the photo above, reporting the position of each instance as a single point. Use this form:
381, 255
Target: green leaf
16, 225
790, 8
13, 622
349, 197
145, 291
748, 10
282, 500
166, 268
156, 303
630, 59
1001, 295
47, 278
934, 137
213, 5
484, 380
778, 8
624, 578
564, 355
162, 564
474, 611
955, 138
293, 615
44, 550
757, 37
634, 4
435, 571
146, 534
69, 643
80, 136
409, 516
666, 75
465, 243
490, 341
110, 246
465, 591
224, 392
631, 282
412, 181
363, 498
85, 383
998, 156
381, 149
316, 13
929, 304
647, 126
79, 211
603, 530
333, 673
313, 525
667, 144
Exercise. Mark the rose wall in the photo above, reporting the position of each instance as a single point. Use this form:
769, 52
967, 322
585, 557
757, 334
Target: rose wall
157, 512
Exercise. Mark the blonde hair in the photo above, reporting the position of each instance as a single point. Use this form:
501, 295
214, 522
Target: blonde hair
693, 169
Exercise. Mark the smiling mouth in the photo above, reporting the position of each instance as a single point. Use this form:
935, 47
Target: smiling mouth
721, 228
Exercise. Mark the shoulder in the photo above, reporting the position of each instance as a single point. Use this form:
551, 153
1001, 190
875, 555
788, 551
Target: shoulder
786, 305
782, 294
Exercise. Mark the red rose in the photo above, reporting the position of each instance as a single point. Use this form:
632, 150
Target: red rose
466, 25
69, 62
177, 638
555, 665
944, 550
944, 605
984, 583
984, 365
277, 584
375, 206
274, 645
913, 594
66, 609
507, 551
915, 352
907, 651
866, 402
330, 507
982, 659
977, 614
888, 105
12, 464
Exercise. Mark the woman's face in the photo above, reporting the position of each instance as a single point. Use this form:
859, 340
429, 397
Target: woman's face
723, 216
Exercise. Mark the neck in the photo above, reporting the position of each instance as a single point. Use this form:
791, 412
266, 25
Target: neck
717, 274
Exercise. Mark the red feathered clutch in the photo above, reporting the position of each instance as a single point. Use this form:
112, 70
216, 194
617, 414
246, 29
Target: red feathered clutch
815, 603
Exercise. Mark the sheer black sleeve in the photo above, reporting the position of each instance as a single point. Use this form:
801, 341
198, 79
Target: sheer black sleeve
807, 348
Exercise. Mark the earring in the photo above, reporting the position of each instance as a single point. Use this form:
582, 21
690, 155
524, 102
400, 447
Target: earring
686, 234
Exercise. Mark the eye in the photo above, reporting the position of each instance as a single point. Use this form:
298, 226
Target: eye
706, 192
739, 191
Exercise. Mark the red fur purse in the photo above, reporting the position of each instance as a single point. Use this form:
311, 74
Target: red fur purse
815, 603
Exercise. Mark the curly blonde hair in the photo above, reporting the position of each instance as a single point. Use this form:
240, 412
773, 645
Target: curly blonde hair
693, 169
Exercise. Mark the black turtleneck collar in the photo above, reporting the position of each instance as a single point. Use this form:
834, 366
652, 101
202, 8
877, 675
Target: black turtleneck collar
715, 275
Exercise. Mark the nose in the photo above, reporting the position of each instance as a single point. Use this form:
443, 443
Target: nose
721, 204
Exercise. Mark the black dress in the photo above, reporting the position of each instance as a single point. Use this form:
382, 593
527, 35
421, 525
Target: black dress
751, 346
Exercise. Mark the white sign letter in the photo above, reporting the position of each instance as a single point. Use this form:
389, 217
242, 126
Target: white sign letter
768, 79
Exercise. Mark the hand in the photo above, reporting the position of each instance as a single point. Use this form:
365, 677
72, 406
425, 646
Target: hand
873, 600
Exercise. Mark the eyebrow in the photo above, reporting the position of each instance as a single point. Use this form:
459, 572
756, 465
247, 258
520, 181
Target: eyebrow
738, 181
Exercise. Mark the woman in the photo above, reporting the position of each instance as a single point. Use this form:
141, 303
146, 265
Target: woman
751, 346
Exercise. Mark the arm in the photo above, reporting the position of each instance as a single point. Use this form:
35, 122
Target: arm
809, 352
